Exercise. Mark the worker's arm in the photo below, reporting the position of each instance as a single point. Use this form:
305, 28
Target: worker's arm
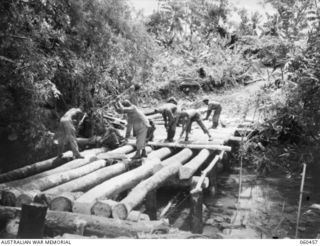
125, 109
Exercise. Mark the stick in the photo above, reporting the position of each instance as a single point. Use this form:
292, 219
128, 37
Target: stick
205, 173
300, 198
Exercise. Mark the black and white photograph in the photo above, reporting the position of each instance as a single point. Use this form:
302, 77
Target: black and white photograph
159, 119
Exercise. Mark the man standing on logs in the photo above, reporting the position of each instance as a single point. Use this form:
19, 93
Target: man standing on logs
69, 123
217, 111
140, 125
187, 117
168, 111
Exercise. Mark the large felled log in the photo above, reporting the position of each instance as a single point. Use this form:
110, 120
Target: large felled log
60, 202
27, 192
35, 168
58, 223
90, 155
104, 208
11, 190
187, 170
190, 146
205, 172
120, 183
42, 166
59, 178
64, 202
137, 195
88, 181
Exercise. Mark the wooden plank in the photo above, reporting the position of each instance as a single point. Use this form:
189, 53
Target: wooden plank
206, 171
189, 146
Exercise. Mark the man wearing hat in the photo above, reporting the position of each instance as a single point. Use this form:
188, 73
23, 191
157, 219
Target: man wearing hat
139, 122
217, 111
168, 111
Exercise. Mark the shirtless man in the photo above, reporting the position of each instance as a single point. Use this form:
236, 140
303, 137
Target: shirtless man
168, 111
187, 117
66, 133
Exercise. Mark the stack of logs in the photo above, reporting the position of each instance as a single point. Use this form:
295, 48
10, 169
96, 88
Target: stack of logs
84, 193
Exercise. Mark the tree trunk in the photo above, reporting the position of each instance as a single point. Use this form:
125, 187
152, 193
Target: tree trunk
90, 155
57, 223
12, 189
26, 193
35, 168
103, 208
120, 183
40, 167
60, 178
208, 146
64, 202
137, 195
187, 170
88, 181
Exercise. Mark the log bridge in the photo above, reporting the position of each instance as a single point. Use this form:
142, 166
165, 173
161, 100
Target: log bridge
106, 194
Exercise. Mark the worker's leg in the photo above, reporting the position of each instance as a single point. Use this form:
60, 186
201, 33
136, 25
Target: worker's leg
188, 130
74, 148
165, 119
203, 127
71, 138
141, 142
61, 144
171, 131
216, 116
150, 131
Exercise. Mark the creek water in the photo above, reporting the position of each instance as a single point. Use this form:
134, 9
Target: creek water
267, 207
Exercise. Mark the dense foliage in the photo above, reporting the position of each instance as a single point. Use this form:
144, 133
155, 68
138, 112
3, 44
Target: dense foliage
59, 54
